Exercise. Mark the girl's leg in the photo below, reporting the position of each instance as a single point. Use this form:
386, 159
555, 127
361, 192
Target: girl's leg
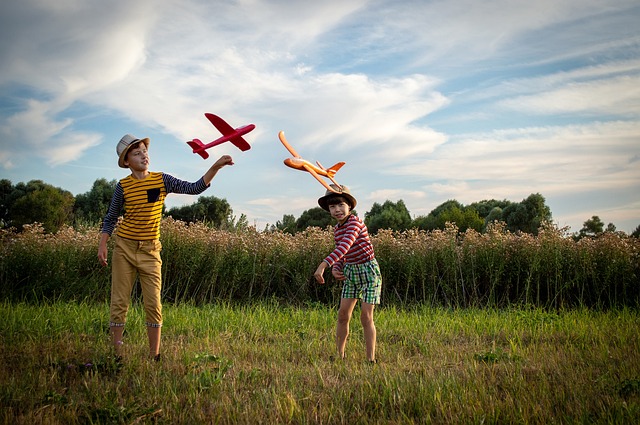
369, 327
342, 329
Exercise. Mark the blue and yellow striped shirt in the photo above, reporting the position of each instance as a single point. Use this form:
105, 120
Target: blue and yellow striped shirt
143, 201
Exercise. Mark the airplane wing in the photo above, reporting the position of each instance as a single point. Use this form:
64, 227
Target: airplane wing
241, 143
322, 182
287, 145
220, 124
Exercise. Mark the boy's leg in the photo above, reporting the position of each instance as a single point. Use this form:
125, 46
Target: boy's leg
369, 327
123, 275
153, 333
150, 271
342, 328
116, 338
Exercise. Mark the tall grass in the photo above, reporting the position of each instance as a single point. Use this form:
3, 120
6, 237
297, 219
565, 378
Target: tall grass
439, 268
269, 363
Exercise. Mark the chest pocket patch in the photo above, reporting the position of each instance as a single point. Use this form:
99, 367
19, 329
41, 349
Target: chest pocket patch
153, 195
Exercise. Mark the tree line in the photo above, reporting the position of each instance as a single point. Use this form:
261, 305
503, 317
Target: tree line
54, 207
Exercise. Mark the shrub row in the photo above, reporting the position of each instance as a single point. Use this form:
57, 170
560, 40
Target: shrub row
440, 268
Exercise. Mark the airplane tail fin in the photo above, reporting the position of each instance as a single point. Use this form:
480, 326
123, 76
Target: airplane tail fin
331, 171
197, 147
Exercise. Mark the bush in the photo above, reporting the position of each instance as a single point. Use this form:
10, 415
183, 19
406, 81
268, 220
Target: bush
440, 268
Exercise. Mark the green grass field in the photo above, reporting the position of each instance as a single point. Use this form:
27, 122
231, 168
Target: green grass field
269, 363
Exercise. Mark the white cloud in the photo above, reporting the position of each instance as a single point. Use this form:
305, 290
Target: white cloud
38, 134
614, 96
360, 81
5, 158
450, 35
394, 195
553, 161
73, 45
602, 73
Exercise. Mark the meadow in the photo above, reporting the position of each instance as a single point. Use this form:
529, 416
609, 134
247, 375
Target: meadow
268, 363
474, 328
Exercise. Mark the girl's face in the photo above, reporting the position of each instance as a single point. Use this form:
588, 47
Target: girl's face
339, 211
138, 158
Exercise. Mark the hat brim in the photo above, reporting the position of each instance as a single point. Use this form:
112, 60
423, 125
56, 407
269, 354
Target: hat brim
324, 201
123, 155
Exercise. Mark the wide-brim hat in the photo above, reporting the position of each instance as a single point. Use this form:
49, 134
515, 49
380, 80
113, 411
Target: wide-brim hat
343, 191
123, 147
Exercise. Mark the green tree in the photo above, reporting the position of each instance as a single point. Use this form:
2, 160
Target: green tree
486, 207
208, 209
314, 217
9, 197
447, 205
424, 222
494, 215
450, 211
434, 219
636, 232
464, 219
42, 203
528, 215
287, 225
390, 215
592, 227
92, 206
6, 188
239, 224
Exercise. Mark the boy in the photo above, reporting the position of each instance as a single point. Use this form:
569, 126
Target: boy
353, 262
137, 245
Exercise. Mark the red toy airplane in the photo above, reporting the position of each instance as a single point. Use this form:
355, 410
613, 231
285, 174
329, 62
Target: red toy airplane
228, 134
300, 164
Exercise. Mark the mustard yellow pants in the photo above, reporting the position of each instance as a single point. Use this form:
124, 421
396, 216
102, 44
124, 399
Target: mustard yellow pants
130, 259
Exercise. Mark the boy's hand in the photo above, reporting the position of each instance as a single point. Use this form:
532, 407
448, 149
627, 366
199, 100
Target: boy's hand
102, 256
211, 173
223, 160
102, 249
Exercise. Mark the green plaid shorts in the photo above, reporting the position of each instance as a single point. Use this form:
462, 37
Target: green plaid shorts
364, 281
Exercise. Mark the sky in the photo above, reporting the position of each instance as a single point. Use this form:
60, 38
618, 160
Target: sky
426, 101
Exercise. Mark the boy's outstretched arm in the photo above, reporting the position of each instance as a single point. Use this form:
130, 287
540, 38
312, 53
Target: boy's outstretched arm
211, 172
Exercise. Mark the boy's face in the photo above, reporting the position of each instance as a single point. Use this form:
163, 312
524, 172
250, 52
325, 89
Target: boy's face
137, 158
339, 211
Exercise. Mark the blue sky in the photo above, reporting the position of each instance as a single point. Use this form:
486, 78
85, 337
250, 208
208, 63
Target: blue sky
425, 101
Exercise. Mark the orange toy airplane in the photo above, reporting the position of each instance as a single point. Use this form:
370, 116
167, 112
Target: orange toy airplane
316, 171
228, 134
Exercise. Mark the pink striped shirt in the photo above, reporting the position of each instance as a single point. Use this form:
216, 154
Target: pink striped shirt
353, 245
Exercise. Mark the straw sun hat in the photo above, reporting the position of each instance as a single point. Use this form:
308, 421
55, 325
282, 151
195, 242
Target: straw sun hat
123, 147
